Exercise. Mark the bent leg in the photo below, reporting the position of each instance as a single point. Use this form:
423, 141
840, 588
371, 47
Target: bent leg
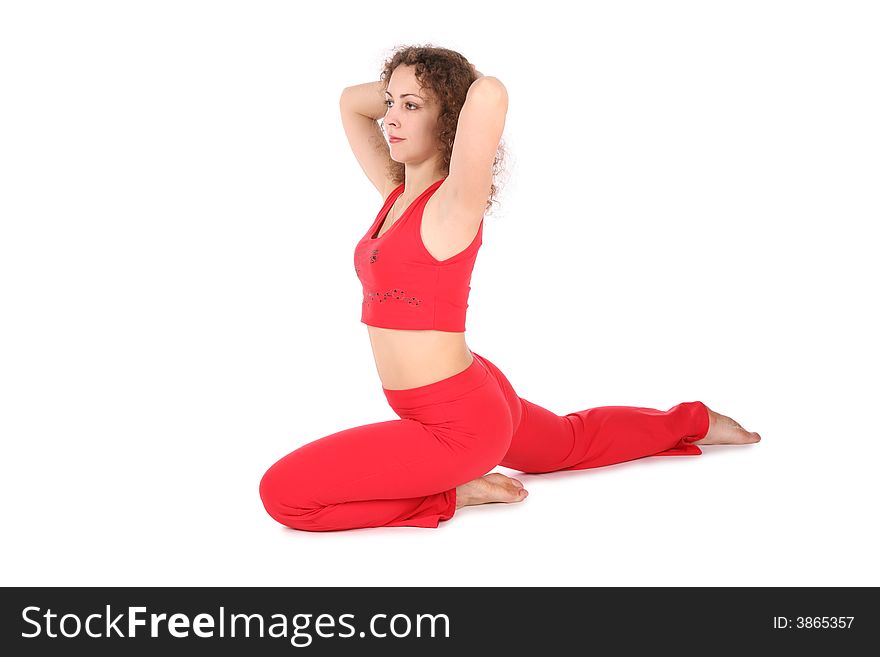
391, 474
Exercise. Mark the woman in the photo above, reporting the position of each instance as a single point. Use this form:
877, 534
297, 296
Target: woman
459, 415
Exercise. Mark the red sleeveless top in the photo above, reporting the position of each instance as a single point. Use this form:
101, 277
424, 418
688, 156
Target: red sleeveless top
405, 287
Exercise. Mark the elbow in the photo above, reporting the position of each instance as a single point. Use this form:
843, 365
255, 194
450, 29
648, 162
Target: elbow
499, 85
491, 86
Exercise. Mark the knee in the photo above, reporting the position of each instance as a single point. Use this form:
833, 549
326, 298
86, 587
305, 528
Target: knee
287, 497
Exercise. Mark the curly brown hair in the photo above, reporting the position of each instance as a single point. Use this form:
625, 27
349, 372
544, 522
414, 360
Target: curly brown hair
448, 75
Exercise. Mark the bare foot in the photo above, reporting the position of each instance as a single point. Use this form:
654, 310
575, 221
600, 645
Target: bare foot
726, 431
494, 487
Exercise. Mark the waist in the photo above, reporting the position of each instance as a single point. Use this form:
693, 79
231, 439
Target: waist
412, 358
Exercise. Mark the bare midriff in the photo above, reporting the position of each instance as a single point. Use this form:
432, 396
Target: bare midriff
412, 358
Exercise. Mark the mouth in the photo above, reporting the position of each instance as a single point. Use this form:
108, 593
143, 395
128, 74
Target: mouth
394, 139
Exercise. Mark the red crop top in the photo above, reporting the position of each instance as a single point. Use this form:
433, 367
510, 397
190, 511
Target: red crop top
405, 287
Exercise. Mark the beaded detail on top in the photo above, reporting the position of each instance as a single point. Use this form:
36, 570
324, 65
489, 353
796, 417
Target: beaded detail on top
391, 295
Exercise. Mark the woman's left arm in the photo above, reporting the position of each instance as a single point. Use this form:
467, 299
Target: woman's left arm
478, 135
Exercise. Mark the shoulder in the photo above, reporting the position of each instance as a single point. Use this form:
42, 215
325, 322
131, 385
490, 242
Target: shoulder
448, 228
452, 206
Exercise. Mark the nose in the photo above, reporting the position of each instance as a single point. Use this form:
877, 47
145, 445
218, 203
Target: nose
391, 116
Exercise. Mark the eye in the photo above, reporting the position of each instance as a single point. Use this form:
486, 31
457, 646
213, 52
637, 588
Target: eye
388, 100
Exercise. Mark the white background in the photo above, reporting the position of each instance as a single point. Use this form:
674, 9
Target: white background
689, 213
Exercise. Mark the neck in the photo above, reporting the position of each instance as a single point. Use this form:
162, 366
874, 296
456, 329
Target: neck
419, 177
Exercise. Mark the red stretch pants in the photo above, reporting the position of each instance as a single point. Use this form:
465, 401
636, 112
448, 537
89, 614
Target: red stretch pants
404, 472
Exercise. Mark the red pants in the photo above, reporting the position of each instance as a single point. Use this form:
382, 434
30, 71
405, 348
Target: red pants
404, 472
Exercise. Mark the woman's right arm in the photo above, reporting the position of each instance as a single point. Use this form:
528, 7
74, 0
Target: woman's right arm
361, 106
367, 99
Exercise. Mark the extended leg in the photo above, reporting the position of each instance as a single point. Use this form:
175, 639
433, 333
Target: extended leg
546, 442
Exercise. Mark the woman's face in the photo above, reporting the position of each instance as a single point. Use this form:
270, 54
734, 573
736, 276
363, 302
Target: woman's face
411, 115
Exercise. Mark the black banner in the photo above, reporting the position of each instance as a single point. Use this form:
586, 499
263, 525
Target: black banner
398, 620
